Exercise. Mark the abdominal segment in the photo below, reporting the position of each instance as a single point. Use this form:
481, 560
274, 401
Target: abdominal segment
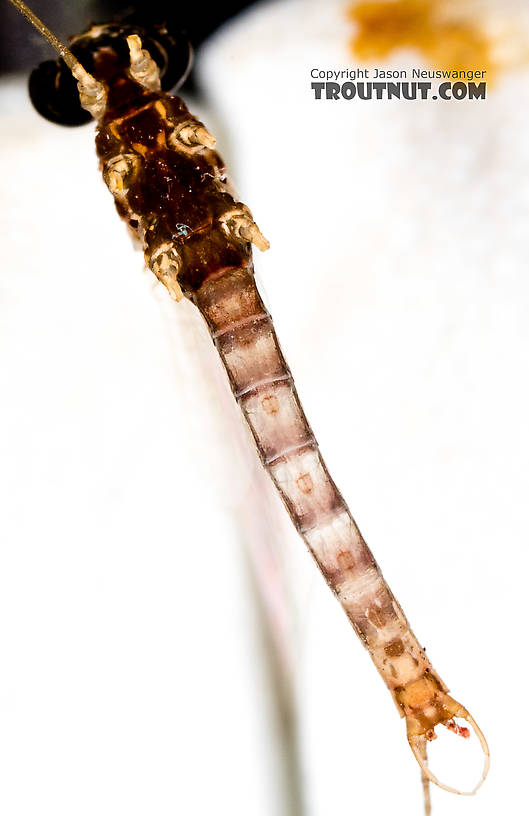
170, 186
264, 389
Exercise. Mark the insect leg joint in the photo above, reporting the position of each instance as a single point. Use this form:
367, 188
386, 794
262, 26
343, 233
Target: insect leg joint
143, 68
166, 263
92, 94
239, 224
118, 170
192, 135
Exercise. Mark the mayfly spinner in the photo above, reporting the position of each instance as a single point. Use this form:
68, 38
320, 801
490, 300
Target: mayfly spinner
159, 163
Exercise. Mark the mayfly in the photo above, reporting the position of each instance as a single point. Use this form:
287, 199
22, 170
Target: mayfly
171, 188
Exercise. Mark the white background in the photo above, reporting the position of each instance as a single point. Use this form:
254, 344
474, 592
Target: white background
135, 677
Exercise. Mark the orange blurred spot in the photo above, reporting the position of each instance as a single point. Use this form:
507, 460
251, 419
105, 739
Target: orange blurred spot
431, 27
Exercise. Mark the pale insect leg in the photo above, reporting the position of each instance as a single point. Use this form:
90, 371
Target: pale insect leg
406, 674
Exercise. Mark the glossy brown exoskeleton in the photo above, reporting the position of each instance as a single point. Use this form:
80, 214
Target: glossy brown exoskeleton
170, 187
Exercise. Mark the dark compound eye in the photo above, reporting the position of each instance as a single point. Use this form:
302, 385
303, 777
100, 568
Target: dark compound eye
179, 58
53, 93
53, 90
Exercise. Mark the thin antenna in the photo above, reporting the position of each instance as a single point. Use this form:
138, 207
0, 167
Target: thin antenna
92, 93
61, 49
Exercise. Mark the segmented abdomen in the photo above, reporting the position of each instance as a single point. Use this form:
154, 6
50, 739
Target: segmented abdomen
263, 386
174, 194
